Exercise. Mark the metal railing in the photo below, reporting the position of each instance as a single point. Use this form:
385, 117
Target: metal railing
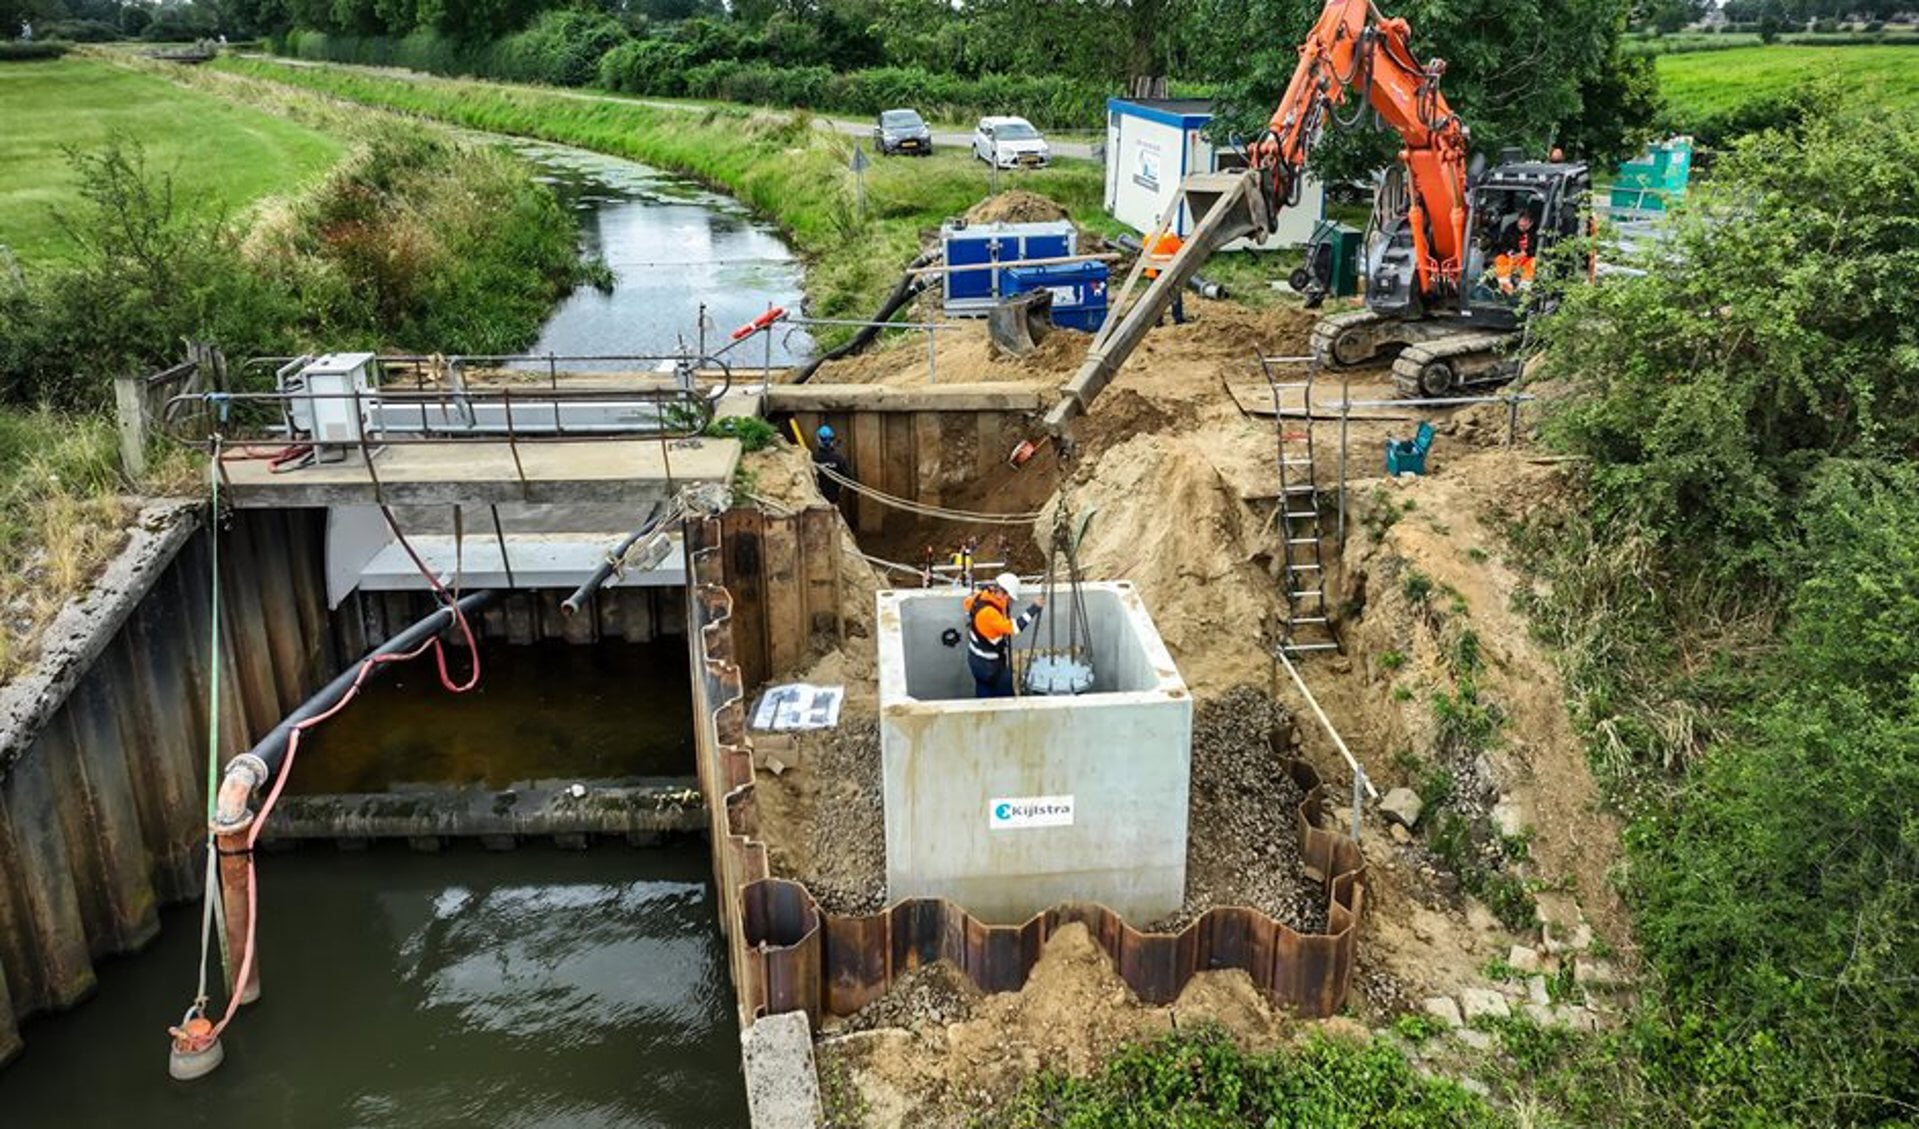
932, 329
253, 417
1362, 783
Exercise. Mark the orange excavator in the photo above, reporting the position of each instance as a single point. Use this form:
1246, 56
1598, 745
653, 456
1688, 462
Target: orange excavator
1452, 243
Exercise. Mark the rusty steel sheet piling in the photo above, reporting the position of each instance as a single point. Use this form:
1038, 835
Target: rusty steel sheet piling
787, 954
103, 744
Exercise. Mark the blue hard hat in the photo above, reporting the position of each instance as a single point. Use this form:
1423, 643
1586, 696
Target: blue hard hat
825, 434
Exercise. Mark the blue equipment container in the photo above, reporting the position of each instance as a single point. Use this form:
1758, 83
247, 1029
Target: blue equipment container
1078, 289
975, 292
1408, 456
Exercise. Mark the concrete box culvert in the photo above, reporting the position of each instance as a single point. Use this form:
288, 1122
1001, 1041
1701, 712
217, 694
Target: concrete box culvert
1010, 806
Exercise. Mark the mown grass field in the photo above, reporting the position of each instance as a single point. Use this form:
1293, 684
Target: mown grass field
1705, 84
773, 161
224, 154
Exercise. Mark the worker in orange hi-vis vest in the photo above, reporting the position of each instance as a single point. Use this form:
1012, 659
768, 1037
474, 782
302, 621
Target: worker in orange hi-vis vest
991, 626
1160, 254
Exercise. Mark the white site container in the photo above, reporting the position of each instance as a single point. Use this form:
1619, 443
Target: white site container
1154, 144
1009, 806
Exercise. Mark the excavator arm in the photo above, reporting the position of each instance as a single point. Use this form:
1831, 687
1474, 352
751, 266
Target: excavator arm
1350, 49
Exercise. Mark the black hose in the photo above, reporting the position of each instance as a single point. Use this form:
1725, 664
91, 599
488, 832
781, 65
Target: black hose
908, 288
580, 595
272, 749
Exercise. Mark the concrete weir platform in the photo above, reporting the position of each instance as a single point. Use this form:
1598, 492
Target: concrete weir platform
1011, 806
624, 471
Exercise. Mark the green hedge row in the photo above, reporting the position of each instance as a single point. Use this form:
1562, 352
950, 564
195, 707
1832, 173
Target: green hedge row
575, 48
561, 48
14, 52
645, 67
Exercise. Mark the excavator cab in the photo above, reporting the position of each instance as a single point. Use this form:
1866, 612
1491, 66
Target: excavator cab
1518, 212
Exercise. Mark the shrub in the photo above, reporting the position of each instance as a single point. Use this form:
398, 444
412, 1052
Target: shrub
563, 47
1707, 395
1196, 1078
14, 52
700, 59
81, 31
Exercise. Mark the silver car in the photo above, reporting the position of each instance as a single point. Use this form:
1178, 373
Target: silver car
1010, 143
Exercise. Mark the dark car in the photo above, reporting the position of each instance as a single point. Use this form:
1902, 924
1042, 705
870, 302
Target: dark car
903, 131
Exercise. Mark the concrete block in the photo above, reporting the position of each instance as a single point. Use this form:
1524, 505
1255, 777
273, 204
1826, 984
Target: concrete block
1476, 1002
1401, 806
1010, 806
1443, 1009
782, 1084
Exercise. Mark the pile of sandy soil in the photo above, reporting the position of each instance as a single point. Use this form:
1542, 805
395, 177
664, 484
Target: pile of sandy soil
1423, 937
782, 475
965, 356
1165, 519
1073, 1013
1015, 205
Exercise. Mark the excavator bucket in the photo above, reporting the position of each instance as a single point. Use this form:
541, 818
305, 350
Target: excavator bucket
1018, 324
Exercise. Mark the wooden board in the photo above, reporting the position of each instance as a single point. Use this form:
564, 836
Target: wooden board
1256, 399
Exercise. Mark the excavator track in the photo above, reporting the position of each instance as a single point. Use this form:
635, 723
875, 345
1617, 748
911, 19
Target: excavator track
1443, 365
1347, 339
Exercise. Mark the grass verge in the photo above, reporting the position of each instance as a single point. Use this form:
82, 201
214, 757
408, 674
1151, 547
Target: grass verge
62, 514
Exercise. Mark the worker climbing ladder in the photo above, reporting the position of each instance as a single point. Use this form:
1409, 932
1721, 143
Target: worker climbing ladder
1305, 624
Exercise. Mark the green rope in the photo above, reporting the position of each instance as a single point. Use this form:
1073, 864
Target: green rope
213, 921
213, 623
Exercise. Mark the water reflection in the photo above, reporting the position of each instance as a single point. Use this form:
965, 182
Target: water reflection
672, 246
404, 991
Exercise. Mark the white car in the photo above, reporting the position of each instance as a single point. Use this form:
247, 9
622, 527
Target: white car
1010, 143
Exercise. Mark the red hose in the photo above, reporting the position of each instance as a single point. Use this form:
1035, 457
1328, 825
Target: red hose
195, 1036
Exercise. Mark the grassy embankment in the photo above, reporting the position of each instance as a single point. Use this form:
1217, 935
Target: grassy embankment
774, 162
412, 241
223, 154
61, 507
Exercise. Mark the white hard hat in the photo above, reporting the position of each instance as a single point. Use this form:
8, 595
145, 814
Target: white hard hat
1010, 583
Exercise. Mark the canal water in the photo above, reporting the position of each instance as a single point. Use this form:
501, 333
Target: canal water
673, 247
549, 710
534, 989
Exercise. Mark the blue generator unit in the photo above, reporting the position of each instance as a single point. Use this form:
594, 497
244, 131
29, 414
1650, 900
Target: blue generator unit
971, 293
1078, 289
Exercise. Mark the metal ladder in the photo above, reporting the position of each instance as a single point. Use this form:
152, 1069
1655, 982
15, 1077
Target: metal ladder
1306, 625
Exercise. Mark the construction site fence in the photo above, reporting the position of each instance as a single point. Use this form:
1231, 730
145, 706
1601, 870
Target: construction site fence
787, 953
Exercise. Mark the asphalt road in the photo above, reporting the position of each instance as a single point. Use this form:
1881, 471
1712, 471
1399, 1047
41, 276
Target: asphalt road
852, 127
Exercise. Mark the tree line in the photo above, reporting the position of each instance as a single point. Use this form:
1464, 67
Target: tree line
1531, 73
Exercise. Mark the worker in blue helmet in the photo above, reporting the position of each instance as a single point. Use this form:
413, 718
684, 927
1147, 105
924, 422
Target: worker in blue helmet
828, 460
